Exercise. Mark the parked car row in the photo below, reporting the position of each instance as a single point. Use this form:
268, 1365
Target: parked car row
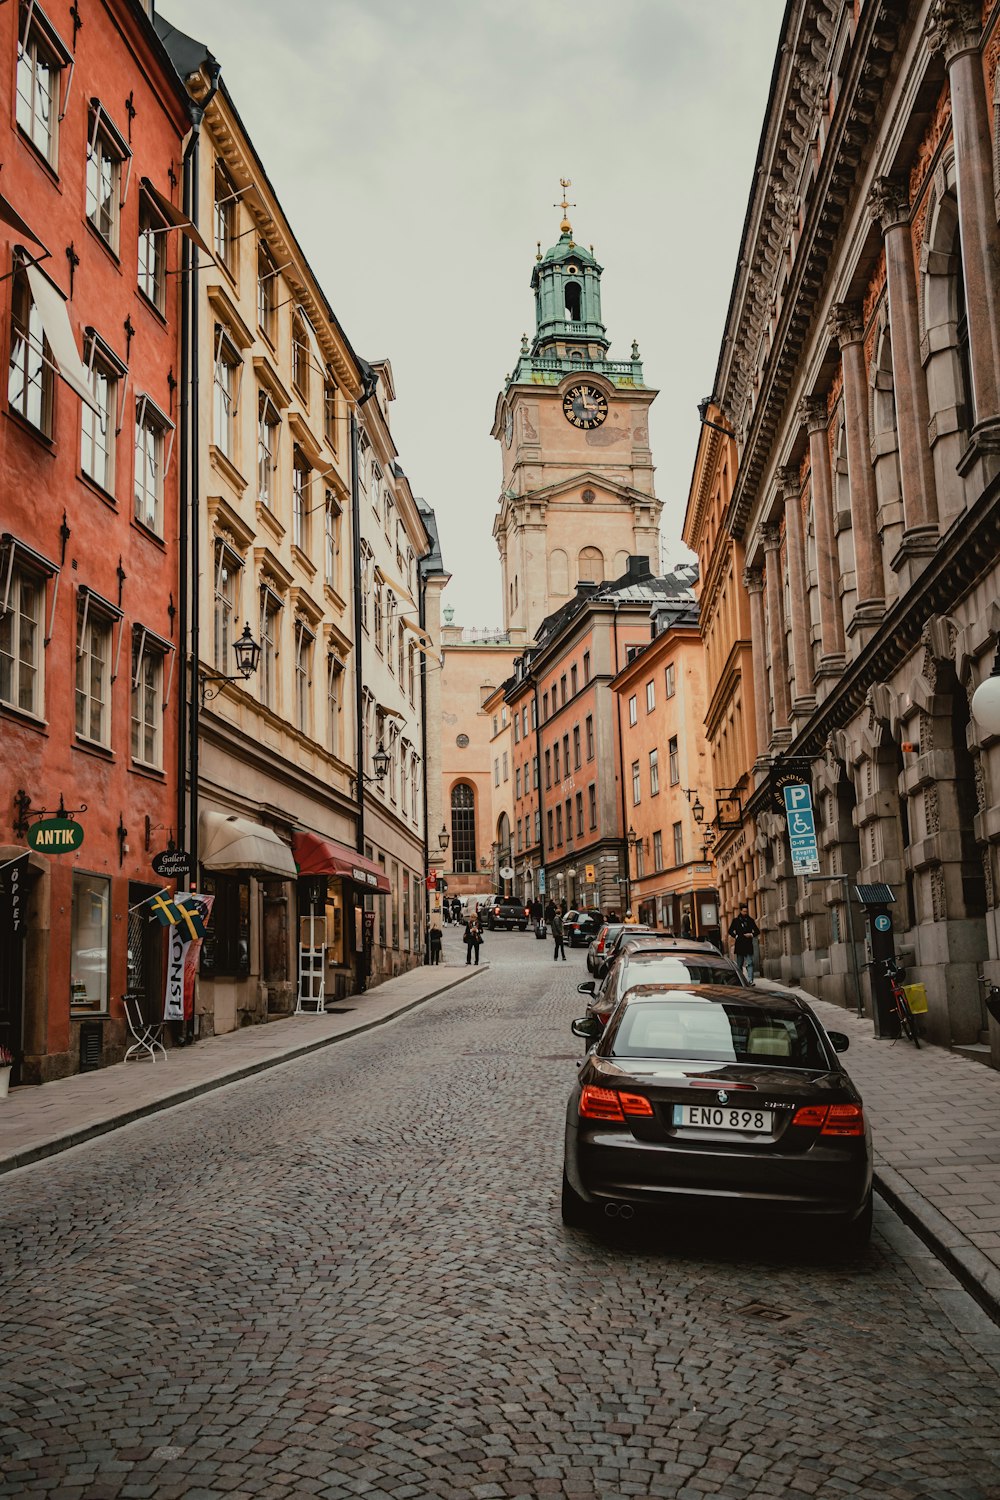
700, 1091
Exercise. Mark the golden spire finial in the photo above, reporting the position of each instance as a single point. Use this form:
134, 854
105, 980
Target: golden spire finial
565, 227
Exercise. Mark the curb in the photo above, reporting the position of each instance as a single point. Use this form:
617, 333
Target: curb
183, 1096
977, 1274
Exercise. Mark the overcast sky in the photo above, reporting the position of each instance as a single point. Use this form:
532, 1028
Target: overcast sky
416, 147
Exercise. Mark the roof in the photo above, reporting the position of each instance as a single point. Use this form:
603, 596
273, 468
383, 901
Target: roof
628, 589
432, 561
567, 248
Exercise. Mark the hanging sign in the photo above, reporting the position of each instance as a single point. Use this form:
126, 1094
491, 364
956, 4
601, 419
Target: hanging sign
13, 910
171, 864
55, 836
801, 829
432, 881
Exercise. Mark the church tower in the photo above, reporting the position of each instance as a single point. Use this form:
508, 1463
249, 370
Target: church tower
577, 496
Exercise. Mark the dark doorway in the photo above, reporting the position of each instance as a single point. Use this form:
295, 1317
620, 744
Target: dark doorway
145, 952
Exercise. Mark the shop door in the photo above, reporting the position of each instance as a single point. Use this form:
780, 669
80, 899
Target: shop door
145, 952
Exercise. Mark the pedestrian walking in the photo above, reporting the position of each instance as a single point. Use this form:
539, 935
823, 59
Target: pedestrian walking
743, 929
456, 909
436, 939
550, 909
536, 911
473, 939
557, 933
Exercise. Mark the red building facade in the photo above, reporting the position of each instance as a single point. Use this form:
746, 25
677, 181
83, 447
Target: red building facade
89, 303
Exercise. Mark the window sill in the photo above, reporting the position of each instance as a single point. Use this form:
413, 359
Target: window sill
146, 301
82, 1013
109, 249
39, 157
148, 533
23, 716
150, 773
227, 467
96, 488
42, 438
94, 748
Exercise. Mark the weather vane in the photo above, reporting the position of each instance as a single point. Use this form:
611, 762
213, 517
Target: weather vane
566, 227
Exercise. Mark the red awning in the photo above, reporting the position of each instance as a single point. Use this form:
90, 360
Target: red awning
318, 856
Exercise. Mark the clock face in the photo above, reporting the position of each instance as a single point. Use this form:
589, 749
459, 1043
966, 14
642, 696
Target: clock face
508, 426
585, 406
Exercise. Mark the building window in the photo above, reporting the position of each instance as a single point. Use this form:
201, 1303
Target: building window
517, 729
657, 850
267, 292
559, 825
534, 771
545, 707
534, 714
224, 219
31, 375
227, 581
548, 829
520, 826
334, 687
268, 438
21, 655
579, 815
300, 356
562, 687
678, 843
147, 701
463, 829
517, 782
228, 373
577, 756
586, 667
506, 772
152, 254
301, 486
401, 653
330, 413
304, 639
538, 827
105, 154
633, 710
270, 624
590, 567
668, 679
90, 941
93, 672
640, 860
654, 772
636, 788
152, 455
590, 736
496, 772
555, 762
569, 819
592, 799
225, 953
674, 761
39, 66
548, 769
97, 428
332, 517
412, 673
573, 680
650, 696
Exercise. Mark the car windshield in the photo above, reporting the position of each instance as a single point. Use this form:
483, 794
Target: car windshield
718, 1032
678, 969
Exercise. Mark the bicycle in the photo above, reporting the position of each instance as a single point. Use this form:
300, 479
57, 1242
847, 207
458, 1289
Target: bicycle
907, 1024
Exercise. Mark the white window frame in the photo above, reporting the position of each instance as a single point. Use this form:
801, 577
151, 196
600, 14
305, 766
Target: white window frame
96, 619
633, 710
107, 372
332, 523
268, 448
271, 606
154, 446
149, 694
302, 472
654, 773
334, 701
109, 166
151, 253
228, 566
636, 784
227, 383
14, 618
650, 696
304, 641
42, 47
30, 359
225, 218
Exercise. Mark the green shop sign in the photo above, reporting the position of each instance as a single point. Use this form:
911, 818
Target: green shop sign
55, 836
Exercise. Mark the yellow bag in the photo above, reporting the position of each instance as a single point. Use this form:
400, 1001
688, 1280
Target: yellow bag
916, 998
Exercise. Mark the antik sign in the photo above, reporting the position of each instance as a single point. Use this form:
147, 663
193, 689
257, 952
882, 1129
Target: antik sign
55, 836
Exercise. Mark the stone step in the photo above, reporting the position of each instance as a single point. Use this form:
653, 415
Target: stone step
975, 1051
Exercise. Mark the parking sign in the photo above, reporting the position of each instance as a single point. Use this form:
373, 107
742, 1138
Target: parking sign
801, 829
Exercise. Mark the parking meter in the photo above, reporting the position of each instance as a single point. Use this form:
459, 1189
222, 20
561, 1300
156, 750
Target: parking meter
877, 900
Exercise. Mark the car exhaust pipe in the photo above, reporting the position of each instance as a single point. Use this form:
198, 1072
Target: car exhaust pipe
611, 1210
626, 1211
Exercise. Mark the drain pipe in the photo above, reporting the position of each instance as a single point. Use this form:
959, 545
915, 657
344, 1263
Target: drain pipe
369, 380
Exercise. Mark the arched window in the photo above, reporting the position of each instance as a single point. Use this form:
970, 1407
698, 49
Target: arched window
573, 301
463, 829
558, 573
590, 567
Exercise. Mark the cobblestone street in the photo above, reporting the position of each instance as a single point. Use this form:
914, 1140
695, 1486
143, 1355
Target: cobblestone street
348, 1277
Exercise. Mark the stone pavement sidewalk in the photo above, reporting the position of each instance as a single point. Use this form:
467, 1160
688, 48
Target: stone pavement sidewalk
936, 1129
38, 1122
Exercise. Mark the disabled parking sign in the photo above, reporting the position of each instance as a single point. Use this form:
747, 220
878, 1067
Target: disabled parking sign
801, 829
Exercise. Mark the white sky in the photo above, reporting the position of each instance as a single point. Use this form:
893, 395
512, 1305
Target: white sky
416, 147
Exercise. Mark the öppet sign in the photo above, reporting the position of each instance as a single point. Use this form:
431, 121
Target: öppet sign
55, 836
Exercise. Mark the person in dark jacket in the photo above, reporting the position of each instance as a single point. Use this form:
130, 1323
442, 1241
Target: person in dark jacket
743, 929
473, 938
550, 910
557, 933
536, 911
435, 942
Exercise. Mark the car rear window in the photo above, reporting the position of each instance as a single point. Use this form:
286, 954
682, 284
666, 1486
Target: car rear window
680, 969
717, 1032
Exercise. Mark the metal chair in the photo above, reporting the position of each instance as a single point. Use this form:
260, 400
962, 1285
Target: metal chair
147, 1033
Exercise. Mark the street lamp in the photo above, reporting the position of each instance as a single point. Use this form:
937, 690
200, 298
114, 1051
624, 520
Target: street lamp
985, 705
444, 839
247, 652
380, 767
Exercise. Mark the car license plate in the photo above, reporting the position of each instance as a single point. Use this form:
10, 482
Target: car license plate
723, 1117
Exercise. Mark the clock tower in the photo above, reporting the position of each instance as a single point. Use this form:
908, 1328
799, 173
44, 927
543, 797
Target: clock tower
577, 495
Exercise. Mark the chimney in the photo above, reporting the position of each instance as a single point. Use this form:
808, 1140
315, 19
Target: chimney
637, 569
585, 587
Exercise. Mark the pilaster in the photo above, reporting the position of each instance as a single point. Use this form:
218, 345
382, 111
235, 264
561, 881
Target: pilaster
771, 538
753, 582
804, 700
814, 417
846, 327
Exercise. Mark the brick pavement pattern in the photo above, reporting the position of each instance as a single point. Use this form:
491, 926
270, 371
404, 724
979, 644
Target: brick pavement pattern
348, 1277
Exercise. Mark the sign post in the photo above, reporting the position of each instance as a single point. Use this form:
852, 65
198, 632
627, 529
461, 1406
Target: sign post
801, 822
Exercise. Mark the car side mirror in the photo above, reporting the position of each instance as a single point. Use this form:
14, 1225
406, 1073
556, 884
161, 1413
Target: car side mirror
839, 1041
588, 987
587, 1027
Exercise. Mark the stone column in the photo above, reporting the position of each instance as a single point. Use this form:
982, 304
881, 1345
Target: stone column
889, 205
753, 582
814, 417
846, 327
804, 700
776, 634
955, 30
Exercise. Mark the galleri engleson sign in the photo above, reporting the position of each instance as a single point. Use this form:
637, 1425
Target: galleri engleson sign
55, 836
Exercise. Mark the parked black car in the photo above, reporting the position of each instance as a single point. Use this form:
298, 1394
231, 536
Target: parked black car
506, 913
581, 927
679, 961
597, 952
709, 1095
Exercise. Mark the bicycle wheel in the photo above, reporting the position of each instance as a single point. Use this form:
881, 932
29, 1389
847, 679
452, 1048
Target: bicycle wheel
906, 1022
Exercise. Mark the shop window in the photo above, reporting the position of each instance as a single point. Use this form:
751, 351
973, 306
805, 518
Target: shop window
225, 951
90, 934
394, 881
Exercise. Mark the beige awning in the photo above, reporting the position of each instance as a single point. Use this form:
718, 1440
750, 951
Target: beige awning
231, 843
417, 629
59, 333
398, 588
10, 215
176, 217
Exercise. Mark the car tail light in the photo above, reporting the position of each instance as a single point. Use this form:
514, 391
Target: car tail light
636, 1104
831, 1119
600, 1104
600, 943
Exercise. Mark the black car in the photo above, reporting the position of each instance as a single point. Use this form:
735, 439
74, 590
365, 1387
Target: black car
581, 927
708, 1095
598, 951
506, 912
677, 963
